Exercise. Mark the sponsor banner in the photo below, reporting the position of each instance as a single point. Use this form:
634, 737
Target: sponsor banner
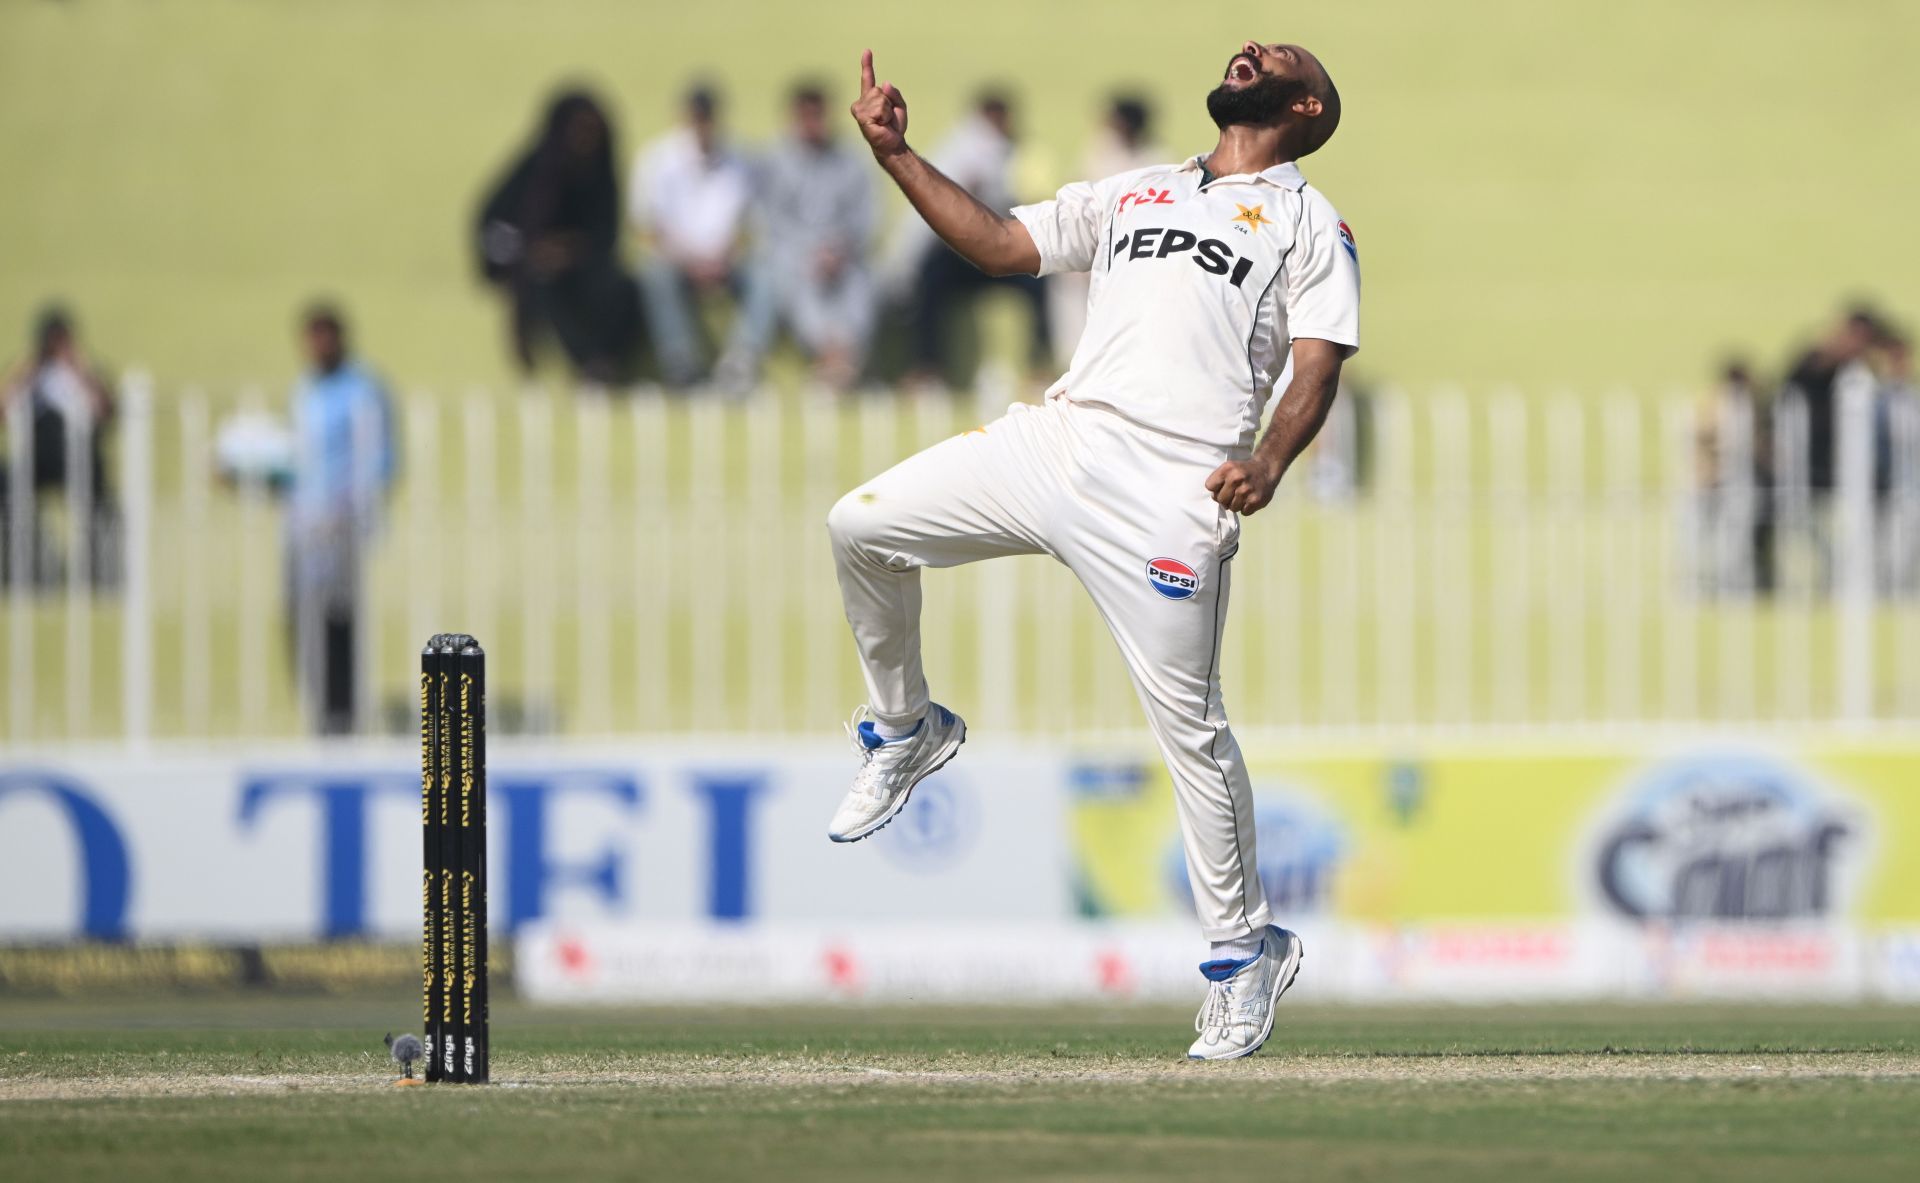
1457, 872
1647, 834
881, 962
892, 962
1485, 962
247, 845
1774, 962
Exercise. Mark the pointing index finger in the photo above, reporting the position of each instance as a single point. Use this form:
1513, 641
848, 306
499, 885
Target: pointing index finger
866, 70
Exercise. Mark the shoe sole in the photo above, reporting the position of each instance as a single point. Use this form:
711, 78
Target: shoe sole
886, 818
1285, 981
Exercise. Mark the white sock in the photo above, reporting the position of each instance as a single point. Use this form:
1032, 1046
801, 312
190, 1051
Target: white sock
1238, 949
889, 731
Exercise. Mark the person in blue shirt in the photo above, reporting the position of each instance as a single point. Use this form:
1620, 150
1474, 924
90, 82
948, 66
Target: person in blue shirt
343, 465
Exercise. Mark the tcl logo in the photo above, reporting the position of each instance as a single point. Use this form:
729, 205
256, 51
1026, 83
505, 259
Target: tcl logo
1209, 254
1145, 197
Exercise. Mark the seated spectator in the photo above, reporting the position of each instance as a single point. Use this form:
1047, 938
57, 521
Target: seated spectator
549, 235
342, 467
978, 155
688, 200
61, 400
1122, 142
809, 274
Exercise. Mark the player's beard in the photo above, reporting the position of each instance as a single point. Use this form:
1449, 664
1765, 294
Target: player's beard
1263, 103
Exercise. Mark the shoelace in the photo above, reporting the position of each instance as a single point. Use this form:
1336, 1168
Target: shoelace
873, 778
1218, 1009
860, 715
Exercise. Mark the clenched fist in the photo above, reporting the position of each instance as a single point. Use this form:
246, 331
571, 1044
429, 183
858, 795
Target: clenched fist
1244, 486
881, 111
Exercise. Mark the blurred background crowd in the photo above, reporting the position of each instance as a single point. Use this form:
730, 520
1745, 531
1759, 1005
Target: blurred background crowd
1770, 456
689, 263
683, 267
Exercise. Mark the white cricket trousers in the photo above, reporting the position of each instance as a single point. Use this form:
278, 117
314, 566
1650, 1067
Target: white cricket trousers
1127, 510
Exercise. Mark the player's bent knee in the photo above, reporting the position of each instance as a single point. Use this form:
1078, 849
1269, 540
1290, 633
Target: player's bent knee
852, 523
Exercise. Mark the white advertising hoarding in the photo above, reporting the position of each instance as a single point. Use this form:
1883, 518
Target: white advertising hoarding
290, 843
1034, 963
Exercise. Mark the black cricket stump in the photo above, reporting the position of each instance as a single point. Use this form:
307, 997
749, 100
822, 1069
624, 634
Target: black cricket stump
453, 883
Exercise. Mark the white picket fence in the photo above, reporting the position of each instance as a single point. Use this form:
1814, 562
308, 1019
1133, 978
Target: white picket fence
638, 564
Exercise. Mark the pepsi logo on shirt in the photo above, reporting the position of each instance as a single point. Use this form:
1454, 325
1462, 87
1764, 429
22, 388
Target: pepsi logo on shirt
1211, 255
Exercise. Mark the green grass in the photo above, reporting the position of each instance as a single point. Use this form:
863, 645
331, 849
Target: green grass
230, 1087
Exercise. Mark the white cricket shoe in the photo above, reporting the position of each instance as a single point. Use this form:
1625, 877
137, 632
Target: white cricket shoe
1237, 1016
891, 768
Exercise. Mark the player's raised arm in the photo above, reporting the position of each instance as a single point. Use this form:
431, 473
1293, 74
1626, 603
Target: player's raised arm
995, 244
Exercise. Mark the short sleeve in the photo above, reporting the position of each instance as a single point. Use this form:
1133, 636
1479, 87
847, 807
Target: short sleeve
1323, 279
1066, 230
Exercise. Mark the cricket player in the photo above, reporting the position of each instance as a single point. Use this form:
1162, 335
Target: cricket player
1207, 278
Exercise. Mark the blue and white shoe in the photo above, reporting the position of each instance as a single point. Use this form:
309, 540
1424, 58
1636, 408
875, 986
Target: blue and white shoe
1237, 1016
891, 767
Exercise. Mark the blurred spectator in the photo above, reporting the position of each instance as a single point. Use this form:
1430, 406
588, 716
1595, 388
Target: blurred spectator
978, 155
689, 197
1859, 367
1892, 362
1813, 376
1733, 452
1899, 413
343, 464
549, 234
1122, 142
1897, 356
58, 398
809, 273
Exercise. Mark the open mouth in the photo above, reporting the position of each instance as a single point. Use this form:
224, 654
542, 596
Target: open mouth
1242, 69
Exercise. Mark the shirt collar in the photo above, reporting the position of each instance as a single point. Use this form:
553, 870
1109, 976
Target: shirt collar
1286, 176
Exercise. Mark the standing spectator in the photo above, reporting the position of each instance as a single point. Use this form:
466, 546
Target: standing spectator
813, 225
1892, 363
64, 403
1733, 450
1898, 449
343, 464
1121, 143
978, 155
1861, 348
549, 234
1813, 375
688, 200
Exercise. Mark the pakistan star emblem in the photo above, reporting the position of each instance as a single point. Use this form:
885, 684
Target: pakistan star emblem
1252, 217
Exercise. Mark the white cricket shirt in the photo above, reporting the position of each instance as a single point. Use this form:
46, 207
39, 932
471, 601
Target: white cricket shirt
1197, 292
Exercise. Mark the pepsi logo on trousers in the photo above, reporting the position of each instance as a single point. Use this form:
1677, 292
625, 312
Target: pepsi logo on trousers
1172, 579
